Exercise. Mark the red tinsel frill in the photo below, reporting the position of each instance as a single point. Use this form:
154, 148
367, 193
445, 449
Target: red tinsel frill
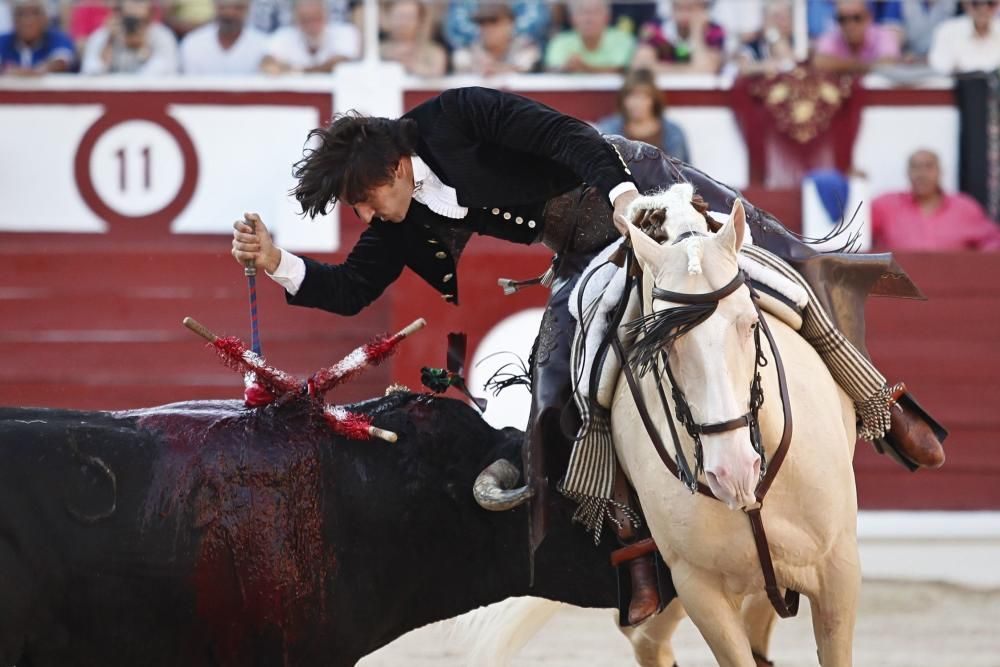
233, 353
349, 424
374, 353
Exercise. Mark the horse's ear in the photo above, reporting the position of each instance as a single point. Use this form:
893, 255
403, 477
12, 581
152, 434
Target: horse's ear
731, 234
647, 251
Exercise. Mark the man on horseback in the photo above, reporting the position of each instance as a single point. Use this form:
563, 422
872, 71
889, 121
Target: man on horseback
479, 160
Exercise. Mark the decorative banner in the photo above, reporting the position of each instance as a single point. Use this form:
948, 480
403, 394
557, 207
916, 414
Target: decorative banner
797, 121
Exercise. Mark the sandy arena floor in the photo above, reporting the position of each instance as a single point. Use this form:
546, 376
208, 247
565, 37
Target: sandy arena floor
899, 625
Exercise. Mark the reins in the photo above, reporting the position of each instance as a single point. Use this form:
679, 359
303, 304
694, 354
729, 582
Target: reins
786, 606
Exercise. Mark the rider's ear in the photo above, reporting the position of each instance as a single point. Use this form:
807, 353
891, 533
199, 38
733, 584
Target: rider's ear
647, 251
731, 234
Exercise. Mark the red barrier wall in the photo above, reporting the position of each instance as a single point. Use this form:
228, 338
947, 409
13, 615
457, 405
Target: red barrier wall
86, 327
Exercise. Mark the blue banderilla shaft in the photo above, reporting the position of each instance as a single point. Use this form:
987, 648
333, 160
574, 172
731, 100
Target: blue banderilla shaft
250, 271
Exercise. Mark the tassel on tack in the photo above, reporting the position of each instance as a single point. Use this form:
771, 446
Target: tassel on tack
511, 286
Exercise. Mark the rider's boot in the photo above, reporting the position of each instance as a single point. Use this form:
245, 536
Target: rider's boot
914, 438
638, 553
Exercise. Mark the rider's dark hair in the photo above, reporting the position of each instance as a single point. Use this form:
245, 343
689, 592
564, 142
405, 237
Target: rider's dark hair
349, 157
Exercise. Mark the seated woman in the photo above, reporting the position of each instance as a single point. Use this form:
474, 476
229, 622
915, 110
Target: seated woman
642, 116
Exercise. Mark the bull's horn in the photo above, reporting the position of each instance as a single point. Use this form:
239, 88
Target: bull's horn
492, 488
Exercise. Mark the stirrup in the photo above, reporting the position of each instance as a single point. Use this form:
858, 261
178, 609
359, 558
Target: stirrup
664, 584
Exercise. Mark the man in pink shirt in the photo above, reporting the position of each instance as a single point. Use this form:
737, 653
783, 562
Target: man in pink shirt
858, 43
925, 218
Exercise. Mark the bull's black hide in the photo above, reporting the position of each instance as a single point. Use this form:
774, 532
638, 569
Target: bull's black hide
204, 534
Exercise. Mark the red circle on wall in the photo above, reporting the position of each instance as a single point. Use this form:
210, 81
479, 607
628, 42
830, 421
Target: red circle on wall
84, 180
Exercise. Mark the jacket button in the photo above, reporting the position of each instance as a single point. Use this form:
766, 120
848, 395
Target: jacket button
495, 211
506, 215
441, 254
531, 223
447, 297
432, 241
447, 277
519, 220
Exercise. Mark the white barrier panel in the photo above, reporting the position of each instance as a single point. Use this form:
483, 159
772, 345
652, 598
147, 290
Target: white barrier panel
889, 135
148, 163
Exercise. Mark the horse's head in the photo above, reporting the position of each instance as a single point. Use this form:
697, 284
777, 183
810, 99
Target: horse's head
709, 339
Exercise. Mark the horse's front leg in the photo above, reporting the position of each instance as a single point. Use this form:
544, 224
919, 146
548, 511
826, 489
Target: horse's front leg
714, 613
835, 605
651, 639
759, 619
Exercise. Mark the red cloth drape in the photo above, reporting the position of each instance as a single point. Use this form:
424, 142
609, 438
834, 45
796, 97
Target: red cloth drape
797, 121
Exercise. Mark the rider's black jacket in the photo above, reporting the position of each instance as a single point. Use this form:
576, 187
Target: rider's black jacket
506, 156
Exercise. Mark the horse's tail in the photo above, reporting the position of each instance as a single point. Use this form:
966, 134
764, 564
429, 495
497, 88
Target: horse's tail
497, 633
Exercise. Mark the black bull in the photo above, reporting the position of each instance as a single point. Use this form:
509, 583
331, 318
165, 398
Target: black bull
204, 534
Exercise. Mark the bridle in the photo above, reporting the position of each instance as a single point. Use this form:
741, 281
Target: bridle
682, 408
786, 605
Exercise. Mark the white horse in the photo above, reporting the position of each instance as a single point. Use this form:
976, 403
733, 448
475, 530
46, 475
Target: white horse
810, 513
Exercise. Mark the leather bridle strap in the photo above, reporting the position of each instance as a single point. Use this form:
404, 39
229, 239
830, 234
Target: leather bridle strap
647, 421
786, 407
706, 297
722, 427
788, 605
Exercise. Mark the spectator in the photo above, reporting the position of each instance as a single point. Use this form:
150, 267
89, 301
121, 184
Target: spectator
183, 16
131, 42
33, 47
313, 44
6, 18
688, 42
858, 43
920, 18
269, 15
500, 49
628, 16
460, 30
968, 43
86, 17
821, 15
592, 46
642, 116
925, 218
772, 50
409, 43
741, 20
226, 46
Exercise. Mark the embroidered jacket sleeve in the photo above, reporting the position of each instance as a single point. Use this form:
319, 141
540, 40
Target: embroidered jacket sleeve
509, 120
376, 260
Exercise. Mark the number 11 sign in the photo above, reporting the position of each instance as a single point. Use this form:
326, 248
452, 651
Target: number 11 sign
136, 168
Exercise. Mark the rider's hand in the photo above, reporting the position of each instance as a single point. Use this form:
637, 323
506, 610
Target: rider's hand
622, 202
254, 243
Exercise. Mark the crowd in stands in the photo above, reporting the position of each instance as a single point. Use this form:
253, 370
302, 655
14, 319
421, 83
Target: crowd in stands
638, 39
432, 38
